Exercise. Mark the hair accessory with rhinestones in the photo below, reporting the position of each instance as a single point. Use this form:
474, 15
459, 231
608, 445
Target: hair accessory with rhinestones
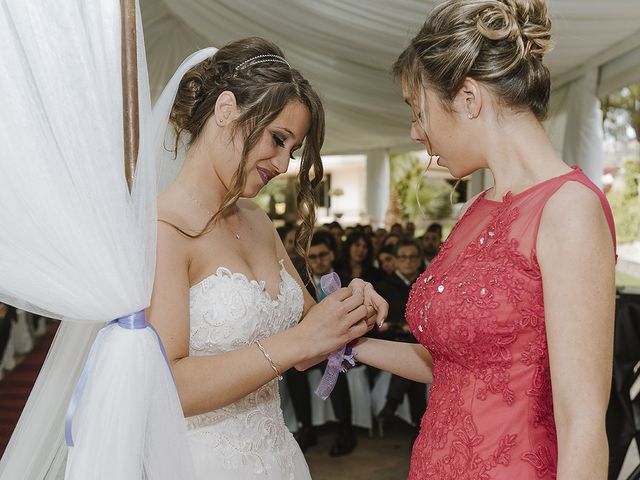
261, 59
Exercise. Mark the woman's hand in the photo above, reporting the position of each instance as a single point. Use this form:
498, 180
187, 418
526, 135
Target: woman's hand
378, 306
332, 323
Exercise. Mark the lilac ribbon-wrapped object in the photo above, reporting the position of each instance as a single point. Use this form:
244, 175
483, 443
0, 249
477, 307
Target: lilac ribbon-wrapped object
330, 283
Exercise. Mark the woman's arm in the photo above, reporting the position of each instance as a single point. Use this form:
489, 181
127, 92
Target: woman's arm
210, 382
408, 360
576, 257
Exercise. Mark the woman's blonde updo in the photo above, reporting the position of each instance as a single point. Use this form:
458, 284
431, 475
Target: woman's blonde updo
498, 42
262, 90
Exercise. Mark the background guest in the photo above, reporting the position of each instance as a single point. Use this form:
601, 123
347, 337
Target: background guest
386, 259
321, 258
357, 259
431, 241
395, 290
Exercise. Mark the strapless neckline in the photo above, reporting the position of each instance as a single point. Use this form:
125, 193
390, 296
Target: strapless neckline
259, 285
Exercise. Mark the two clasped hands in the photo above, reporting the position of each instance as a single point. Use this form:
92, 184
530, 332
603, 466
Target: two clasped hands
341, 317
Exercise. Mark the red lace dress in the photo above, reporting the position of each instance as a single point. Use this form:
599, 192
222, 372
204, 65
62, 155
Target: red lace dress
479, 311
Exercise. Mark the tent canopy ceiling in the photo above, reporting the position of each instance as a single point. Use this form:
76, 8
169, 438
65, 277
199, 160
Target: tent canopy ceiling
346, 48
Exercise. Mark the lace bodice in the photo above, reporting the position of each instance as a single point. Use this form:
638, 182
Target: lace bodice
479, 310
227, 312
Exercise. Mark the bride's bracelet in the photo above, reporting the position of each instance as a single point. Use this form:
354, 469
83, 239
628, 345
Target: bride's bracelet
269, 359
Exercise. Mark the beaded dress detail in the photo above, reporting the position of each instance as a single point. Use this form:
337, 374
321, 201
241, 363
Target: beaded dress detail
479, 311
247, 439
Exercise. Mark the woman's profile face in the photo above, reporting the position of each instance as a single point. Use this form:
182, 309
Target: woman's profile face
270, 157
439, 130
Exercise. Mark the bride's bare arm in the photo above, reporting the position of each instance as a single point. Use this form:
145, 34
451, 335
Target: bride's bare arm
408, 360
210, 382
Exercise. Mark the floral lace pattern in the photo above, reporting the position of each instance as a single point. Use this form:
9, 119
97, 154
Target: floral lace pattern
479, 311
229, 311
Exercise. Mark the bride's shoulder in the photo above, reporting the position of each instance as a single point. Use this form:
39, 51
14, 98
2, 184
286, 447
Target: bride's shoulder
171, 215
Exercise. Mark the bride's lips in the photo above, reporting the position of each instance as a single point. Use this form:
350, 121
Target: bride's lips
265, 174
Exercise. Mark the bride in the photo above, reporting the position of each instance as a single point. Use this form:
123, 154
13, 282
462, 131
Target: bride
226, 299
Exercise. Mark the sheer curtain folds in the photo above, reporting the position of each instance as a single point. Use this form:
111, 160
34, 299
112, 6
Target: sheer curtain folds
75, 245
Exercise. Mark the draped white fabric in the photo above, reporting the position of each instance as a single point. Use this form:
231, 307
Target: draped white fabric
75, 245
583, 132
620, 72
346, 48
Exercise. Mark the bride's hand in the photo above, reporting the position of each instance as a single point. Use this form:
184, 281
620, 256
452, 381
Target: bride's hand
332, 323
378, 306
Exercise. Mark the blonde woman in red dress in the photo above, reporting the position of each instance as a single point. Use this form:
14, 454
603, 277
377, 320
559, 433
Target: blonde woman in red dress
515, 314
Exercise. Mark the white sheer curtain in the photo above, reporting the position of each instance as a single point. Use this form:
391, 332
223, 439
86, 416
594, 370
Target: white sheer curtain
75, 245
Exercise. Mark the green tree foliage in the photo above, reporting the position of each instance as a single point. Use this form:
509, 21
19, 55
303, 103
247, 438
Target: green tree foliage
434, 193
625, 203
622, 109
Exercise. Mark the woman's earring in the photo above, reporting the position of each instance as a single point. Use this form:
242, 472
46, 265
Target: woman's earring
471, 116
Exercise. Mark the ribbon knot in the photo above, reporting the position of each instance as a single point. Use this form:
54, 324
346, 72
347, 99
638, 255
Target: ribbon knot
329, 284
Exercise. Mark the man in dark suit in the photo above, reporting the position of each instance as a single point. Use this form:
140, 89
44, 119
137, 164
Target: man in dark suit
321, 259
395, 290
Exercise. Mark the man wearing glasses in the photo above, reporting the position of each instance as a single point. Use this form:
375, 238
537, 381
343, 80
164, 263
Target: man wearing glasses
395, 290
321, 257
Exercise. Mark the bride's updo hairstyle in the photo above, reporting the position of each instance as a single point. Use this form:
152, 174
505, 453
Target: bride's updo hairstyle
497, 42
262, 87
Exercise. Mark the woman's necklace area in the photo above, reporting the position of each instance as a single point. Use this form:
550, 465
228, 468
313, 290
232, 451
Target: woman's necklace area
202, 207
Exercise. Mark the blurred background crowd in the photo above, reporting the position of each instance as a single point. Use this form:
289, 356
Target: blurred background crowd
391, 260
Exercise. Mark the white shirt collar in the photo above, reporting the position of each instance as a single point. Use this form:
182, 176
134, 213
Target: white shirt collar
403, 278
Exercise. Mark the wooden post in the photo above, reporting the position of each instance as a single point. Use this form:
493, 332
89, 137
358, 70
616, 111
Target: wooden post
130, 111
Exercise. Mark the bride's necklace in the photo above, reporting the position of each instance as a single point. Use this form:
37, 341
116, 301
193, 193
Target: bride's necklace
199, 204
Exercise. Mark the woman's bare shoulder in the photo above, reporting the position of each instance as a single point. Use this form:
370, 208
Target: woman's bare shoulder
174, 212
573, 204
572, 221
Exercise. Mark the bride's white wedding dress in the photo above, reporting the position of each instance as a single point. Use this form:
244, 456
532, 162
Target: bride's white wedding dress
247, 439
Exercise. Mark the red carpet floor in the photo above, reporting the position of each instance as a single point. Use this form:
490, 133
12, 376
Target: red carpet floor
16, 385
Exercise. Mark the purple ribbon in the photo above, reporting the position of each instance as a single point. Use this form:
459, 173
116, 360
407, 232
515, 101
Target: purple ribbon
330, 283
134, 321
